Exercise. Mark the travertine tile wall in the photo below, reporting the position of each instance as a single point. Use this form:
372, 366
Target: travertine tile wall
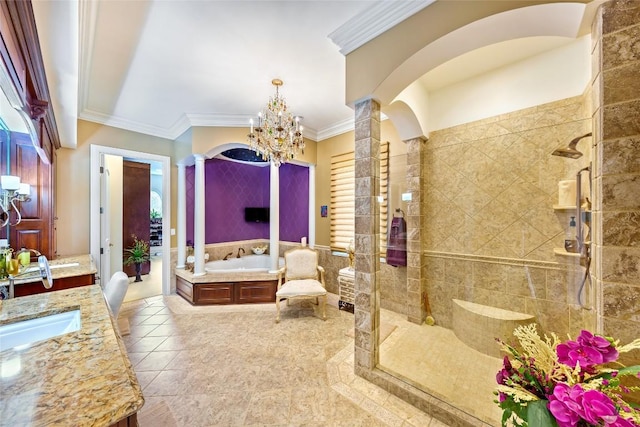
367, 233
393, 288
491, 184
489, 225
416, 263
616, 94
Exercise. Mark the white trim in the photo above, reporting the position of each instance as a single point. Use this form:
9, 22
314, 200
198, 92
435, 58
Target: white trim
274, 215
312, 206
198, 216
182, 216
96, 151
377, 19
121, 123
184, 123
337, 128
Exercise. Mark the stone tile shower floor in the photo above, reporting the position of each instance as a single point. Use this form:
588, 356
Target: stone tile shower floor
433, 359
232, 365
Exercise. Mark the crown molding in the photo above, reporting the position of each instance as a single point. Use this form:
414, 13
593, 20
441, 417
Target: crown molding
129, 125
184, 123
374, 21
337, 128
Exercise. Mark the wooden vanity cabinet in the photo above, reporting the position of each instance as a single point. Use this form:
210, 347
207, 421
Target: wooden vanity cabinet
130, 421
25, 289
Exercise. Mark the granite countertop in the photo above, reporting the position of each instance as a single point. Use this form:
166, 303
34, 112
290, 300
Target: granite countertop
65, 266
71, 266
81, 378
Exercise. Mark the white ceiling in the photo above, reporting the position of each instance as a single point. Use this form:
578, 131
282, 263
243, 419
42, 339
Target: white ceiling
159, 67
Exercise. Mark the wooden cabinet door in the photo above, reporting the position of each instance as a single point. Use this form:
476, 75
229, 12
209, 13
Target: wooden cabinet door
36, 227
136, 207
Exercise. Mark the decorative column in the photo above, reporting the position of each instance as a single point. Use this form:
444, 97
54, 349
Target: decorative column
198, 216
274, 215
416, 286
312, 206
367, 236
616, 167
182, 216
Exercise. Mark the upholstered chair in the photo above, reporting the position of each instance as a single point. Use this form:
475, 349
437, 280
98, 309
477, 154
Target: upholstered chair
301, 277
115, 290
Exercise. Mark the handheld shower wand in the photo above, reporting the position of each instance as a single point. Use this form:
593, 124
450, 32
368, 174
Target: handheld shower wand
584, 248
579, 234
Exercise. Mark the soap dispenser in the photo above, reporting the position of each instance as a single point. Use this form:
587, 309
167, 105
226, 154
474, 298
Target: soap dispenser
570, 242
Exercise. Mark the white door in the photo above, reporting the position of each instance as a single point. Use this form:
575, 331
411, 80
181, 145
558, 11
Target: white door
110, 216
98, 235
105, 232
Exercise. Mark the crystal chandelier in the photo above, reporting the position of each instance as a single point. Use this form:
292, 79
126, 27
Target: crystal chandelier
11, 191
278, 135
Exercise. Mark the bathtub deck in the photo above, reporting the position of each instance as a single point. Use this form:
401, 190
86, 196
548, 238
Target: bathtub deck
227, 288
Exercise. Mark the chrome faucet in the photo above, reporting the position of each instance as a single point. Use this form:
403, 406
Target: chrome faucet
240, 249
31, 251
226, 257
43, 272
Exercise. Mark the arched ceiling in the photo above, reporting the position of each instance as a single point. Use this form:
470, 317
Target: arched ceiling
446, 31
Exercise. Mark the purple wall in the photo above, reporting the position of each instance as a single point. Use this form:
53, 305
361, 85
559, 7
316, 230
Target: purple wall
294, 202
232, 186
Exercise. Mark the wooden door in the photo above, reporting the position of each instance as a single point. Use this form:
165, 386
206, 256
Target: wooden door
136, 207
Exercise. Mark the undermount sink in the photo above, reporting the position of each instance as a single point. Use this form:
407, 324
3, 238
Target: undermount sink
41, 328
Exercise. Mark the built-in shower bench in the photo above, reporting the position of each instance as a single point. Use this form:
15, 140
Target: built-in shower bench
479, 325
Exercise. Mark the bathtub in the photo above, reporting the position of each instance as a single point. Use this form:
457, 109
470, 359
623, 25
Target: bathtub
245, 264
244, 280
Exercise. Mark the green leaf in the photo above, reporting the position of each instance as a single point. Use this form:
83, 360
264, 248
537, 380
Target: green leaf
514, 414
629, 370
538, 415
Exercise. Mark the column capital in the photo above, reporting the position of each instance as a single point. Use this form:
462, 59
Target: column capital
420, 138
199, 157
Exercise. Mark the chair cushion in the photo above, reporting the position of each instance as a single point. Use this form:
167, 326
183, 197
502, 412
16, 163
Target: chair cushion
304, 287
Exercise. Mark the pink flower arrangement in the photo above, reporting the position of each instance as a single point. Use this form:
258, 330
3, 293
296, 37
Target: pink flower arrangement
588, 350
568, 384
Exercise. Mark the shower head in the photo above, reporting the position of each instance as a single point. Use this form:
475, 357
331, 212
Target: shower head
570, 151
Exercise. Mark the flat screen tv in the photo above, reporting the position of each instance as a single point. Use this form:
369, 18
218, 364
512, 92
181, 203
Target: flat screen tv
256, 214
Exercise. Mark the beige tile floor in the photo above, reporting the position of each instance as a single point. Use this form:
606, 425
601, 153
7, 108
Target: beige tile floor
433, 359
151, 283
233, 366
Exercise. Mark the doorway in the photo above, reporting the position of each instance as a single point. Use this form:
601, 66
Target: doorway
103, 221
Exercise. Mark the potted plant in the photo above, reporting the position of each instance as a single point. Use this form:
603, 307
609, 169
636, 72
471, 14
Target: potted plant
154, 215
137, 254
